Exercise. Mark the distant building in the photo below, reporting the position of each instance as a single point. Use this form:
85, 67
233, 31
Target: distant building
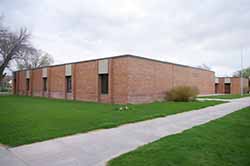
121, 79
231, 85
6, 83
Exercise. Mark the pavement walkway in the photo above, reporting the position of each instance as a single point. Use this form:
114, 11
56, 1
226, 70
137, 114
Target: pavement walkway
97, 147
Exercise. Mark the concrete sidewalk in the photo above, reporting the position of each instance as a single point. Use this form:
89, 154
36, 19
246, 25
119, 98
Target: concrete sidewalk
7, 158
98, 147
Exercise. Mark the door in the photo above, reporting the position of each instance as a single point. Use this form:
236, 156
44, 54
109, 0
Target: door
227, 88
216, 88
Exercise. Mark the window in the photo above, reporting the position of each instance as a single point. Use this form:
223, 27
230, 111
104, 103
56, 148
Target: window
104, 78
45, 84
68, 84
27, 84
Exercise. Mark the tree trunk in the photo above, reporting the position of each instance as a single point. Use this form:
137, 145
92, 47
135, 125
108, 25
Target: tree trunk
2, 76
2, 68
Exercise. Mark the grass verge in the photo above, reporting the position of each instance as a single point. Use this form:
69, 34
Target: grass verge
222, 142
25, 120
230, 96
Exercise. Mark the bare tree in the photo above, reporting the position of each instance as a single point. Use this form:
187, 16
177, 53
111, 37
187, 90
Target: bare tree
13, 45
245, 73
38, 59
204, 66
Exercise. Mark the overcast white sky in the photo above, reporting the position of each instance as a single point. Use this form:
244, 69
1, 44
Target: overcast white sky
191, 32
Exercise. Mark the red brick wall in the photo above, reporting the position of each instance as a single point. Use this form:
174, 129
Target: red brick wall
246, 84
131, 80
88, 87
144, 85
37, 82
235, 85
221, 87
86, 82
202, 79
150, 80
119, 80
21, 83
56, 81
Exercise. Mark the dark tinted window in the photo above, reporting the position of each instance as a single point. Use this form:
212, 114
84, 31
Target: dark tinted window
27, 84
104, 78
45, 84
68, 83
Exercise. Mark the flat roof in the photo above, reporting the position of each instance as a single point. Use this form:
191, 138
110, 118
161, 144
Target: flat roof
232, 77
120, 56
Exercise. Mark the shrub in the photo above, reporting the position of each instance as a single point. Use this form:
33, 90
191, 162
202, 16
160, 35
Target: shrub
182, 93
246, 90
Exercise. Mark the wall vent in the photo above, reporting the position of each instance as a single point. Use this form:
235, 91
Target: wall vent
103, 66
45, 72
68, 70
27, 74
227, 81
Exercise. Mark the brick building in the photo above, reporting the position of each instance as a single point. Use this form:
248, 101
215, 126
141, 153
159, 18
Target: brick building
120, 79
231, 85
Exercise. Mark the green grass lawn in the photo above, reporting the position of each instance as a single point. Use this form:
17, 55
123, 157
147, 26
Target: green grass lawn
223, 142
230, 96
25, 120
